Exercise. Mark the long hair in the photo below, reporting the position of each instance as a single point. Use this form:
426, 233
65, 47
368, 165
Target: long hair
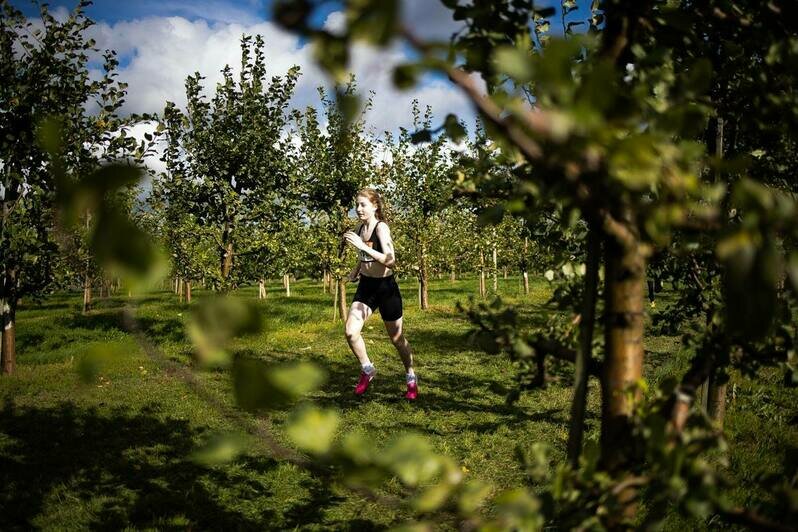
375, 198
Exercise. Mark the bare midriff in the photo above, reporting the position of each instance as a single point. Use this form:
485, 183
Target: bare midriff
374, 269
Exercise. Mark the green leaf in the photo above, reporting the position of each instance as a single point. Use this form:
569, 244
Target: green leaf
421, 136
515, 63
312, 429
412, 460
473, 496
97, 358
220, 449
406, 76
433, 497
349, 104
374, 21
291, 14
454, 129
259, 386
492, 215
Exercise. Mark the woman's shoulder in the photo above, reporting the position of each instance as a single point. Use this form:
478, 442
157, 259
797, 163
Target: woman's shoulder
382, 228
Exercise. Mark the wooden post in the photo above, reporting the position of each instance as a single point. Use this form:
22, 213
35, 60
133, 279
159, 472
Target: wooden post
495, 265
482, 288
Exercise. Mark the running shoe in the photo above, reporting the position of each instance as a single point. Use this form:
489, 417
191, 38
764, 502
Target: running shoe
363, 383
412, 391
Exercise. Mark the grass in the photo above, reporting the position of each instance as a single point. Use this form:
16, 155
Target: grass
116, 453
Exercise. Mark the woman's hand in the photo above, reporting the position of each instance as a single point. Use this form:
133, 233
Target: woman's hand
353, 277
354, 239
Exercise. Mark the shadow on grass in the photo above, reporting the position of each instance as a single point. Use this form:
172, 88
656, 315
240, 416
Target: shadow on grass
126, 469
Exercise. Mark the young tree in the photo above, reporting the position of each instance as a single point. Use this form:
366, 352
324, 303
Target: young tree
419, 188
334, 164
232, 159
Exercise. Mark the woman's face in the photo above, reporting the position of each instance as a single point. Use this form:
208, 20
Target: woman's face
364, 208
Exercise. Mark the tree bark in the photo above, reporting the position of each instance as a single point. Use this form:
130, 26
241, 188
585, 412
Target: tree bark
341, 298
188, 291
227, 261
287, 282
482, 288
262, 289
9, 349
623, 364
453, 275
495, 265
423, 280
86, 293
8, 307
714, 392
523, 267
716, 399
584, 355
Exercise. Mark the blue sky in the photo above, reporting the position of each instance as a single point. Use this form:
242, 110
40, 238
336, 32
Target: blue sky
161, 42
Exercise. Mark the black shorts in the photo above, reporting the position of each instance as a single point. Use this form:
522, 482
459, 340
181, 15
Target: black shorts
382, 293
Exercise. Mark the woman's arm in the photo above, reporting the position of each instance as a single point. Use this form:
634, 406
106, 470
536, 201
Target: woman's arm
385, 258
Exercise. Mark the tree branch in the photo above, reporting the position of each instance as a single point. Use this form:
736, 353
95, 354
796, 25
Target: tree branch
536, 121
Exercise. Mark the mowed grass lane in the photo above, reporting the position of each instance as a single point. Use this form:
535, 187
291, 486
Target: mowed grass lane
118, 451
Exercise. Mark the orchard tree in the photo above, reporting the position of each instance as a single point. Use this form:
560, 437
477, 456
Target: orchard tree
233, 161
45, 91
334, 164
420, 188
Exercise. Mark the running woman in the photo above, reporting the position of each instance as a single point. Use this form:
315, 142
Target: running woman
377, 290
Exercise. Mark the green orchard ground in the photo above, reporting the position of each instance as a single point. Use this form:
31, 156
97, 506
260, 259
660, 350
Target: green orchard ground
119, 451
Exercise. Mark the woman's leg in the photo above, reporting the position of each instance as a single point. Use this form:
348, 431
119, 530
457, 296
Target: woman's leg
358, 314
394, 329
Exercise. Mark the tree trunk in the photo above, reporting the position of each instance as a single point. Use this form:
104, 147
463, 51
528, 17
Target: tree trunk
335, 305
716, 399
188, 291
423, 280
453, 275
524, 272
714, 392
495, 265
623, 363
262, 289
576, 430
505, 272
482, 288
227, 261
180, 289
8, 308
287, 283
86, 293
8, 351
341, 298
325, 282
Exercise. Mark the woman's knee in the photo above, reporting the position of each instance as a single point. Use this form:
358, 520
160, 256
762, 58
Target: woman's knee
398, 339
352, 330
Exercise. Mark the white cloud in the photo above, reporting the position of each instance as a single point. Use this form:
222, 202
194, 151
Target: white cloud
160, 52
429, 19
